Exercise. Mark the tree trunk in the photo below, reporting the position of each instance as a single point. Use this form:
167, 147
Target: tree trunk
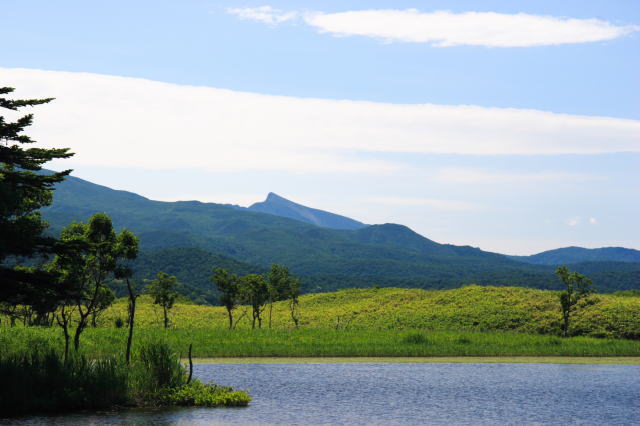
64, 323
166, 318
230, 311
82, 323
132, 314
190, 364
565, 325
270, 310
76, 337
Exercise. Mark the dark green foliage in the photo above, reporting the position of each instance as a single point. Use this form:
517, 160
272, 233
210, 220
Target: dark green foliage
255, 292
229, 288
22, 192
163, 291
578, 287
88, 256
191, 266
40, 381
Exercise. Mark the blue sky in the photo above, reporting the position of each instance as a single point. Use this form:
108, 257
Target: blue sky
546, 156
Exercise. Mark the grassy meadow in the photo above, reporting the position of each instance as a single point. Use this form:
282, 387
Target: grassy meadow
470, 321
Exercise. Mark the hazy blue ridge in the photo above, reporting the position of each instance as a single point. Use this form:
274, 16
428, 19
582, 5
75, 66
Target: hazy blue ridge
279, 206
566, 255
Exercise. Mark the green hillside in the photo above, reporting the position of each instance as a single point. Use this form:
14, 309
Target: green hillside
326, 259
471, 308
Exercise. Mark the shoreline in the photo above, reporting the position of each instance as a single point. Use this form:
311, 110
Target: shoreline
622, 360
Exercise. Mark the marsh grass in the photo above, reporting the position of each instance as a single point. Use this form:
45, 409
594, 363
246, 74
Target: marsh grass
214, 342
39, 380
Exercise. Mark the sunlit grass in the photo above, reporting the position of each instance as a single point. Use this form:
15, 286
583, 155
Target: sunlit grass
333, 343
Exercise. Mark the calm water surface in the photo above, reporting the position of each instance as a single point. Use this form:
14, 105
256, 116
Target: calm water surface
387, 393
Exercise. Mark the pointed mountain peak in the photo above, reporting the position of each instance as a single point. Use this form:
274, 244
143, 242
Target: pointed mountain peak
280, 206
272, 196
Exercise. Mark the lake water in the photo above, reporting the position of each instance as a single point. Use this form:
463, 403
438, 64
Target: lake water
390, 393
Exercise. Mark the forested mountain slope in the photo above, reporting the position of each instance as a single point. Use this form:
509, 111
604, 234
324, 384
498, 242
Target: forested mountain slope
387, 254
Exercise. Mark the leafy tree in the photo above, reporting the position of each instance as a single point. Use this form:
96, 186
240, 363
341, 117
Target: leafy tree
578, 287
87, 257
278, 283
229, 287
256, 293
127, 249
293, 292
163, 291
22, 192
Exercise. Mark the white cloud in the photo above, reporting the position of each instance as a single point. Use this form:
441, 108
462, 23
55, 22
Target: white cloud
444, 28
574, 221
435, 203
593, 221
480, 176
264, 14
128, 122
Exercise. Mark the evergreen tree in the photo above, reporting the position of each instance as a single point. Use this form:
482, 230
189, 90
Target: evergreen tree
22, 192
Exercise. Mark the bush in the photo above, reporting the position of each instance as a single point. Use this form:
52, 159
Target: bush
415, 339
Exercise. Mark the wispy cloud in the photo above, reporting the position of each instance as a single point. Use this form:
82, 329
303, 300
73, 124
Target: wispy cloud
574, 221
481, 176
264, 14
577, 220
444, 28
121, 121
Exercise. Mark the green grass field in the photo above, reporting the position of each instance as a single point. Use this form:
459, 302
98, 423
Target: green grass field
472, 308
471, 321
330, 343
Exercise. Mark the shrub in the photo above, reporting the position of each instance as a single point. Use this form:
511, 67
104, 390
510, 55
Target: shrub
415, 339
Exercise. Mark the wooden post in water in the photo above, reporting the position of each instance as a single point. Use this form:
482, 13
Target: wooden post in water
190, 364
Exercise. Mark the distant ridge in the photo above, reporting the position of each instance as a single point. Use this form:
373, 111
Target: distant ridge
280, 206
574, 254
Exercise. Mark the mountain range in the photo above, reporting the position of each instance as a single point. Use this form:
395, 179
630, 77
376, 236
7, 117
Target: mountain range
326, 250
